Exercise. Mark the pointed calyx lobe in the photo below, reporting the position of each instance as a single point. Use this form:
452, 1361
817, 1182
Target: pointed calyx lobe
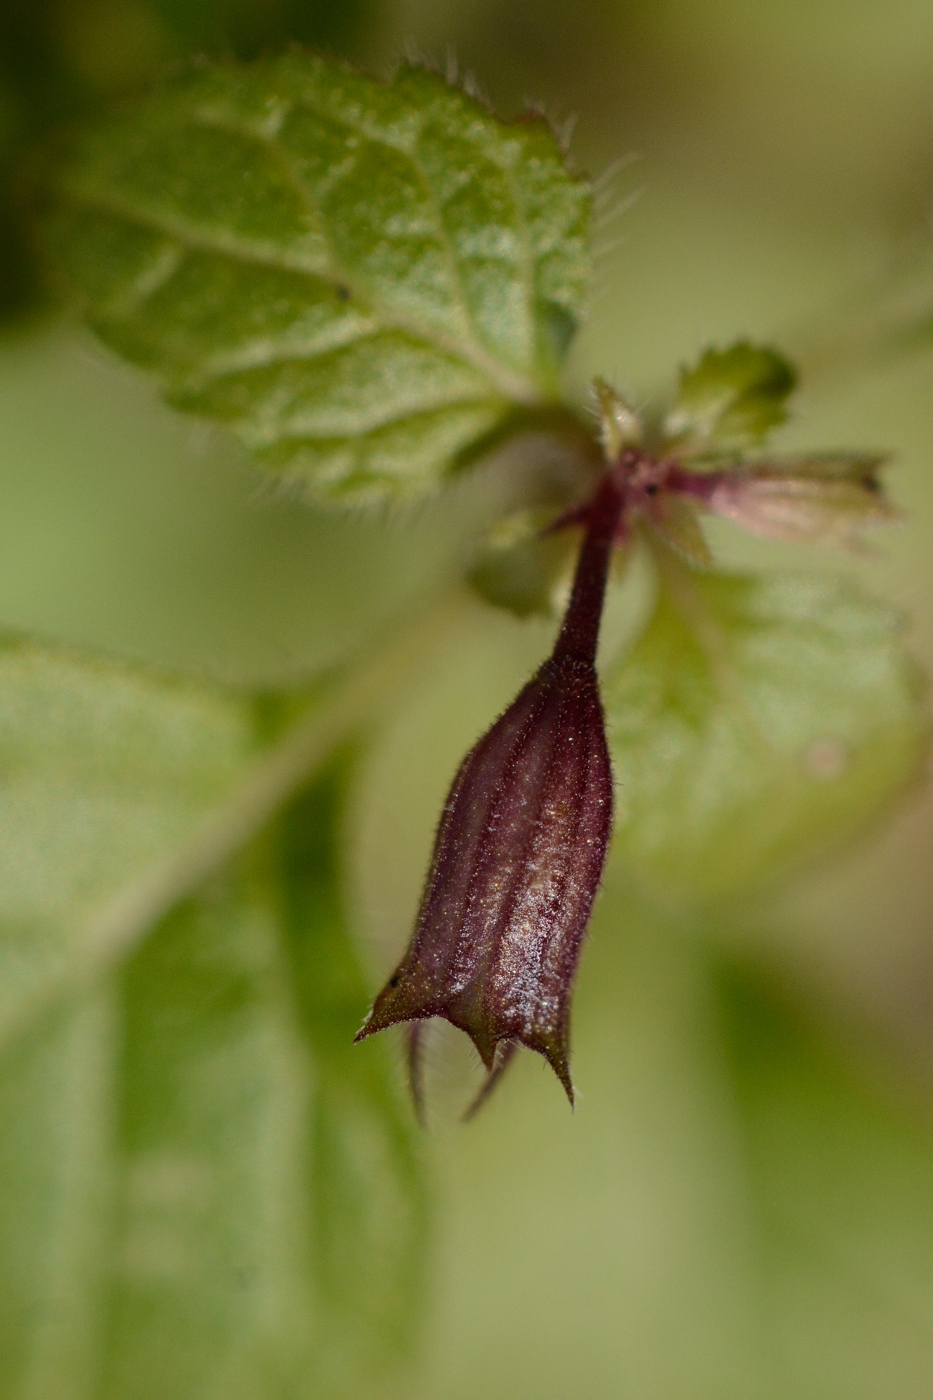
520, 849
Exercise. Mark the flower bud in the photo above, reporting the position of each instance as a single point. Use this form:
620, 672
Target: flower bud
519, 852
516, 866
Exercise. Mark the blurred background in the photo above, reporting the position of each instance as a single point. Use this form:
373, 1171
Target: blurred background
742, 1203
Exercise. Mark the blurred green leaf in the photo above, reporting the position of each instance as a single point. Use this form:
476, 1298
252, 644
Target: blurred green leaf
122, 790
55, 1157
208, 1188
361, 279
205, 1279
829, 499
731, 398
106, 772
368, 1239
760, 1173
62, 61
521, 566
756, 722
837, 1171
675, 520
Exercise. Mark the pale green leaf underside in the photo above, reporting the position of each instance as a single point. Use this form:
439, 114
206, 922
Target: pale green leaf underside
360, 278
757, 721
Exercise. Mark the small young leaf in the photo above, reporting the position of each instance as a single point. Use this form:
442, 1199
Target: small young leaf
519, 566
730, 399
361, 279
620, 426
757, 721
830, 500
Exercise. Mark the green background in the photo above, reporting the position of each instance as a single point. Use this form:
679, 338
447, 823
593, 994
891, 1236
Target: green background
784, 160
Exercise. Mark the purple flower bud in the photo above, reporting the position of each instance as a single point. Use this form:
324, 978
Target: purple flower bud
519, 852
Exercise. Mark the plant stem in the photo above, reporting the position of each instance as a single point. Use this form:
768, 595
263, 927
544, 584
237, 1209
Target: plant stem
579, 633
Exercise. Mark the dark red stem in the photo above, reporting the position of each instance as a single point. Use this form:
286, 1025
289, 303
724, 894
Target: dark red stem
579, 633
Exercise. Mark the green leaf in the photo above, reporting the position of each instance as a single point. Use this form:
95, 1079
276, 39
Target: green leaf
837, 1170
756, 722
829, 500
369, 1229
106, 772
520, 566
58, 67
55, 1155
208, 1096
183, 1147
758, 1163
122, 790
188, 1127
731, 398
361, 279
675, 520
186, 1133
